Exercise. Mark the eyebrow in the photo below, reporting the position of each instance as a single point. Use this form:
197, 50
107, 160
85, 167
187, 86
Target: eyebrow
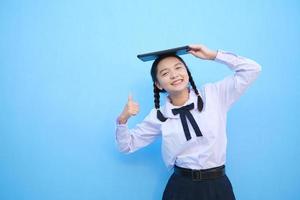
179, 63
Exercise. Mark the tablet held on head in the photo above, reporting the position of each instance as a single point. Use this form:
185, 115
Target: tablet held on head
153, 55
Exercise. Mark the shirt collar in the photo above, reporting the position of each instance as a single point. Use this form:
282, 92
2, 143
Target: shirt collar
167, 108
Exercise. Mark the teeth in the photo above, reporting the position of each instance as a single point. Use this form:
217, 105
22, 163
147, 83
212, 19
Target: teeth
176, 82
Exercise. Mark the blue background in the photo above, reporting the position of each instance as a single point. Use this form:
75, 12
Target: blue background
66, 68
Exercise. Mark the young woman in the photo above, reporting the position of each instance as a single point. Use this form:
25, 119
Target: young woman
192, 123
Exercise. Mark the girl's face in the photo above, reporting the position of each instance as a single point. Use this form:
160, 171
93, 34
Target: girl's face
172, 75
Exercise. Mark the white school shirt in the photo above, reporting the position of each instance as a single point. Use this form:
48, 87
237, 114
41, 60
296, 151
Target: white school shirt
202, 152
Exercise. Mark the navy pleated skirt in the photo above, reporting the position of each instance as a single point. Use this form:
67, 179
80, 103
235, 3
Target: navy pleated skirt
184, 188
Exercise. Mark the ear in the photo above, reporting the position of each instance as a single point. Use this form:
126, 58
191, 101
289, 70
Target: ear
158, 85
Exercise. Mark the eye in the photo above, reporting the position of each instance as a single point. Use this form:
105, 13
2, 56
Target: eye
165, 74
179, 67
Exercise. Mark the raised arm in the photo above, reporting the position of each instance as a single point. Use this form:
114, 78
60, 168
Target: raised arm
232, 87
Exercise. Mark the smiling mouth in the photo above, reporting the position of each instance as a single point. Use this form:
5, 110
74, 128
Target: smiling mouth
177, 82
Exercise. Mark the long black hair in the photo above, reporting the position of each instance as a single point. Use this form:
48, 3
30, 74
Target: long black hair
156, 90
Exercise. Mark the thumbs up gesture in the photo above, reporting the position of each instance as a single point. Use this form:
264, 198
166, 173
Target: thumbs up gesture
131, 108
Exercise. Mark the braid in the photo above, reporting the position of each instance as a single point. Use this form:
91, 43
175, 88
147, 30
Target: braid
156, 96
199, 101
156, 103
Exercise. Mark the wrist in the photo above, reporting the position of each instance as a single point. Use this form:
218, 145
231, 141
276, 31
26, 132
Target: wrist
122, 119
213, 55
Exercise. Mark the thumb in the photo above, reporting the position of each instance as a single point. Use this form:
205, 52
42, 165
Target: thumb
193, 52
130, 98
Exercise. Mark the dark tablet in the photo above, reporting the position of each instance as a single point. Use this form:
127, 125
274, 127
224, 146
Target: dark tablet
153, 55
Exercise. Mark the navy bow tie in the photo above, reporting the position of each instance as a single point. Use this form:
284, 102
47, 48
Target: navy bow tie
184, 112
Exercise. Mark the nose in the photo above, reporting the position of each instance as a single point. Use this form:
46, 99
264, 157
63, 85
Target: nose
173, 74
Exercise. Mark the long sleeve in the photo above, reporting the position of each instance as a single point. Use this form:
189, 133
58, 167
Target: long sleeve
232, 87
144, 133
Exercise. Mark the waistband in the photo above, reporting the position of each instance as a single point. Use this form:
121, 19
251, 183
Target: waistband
203, 174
